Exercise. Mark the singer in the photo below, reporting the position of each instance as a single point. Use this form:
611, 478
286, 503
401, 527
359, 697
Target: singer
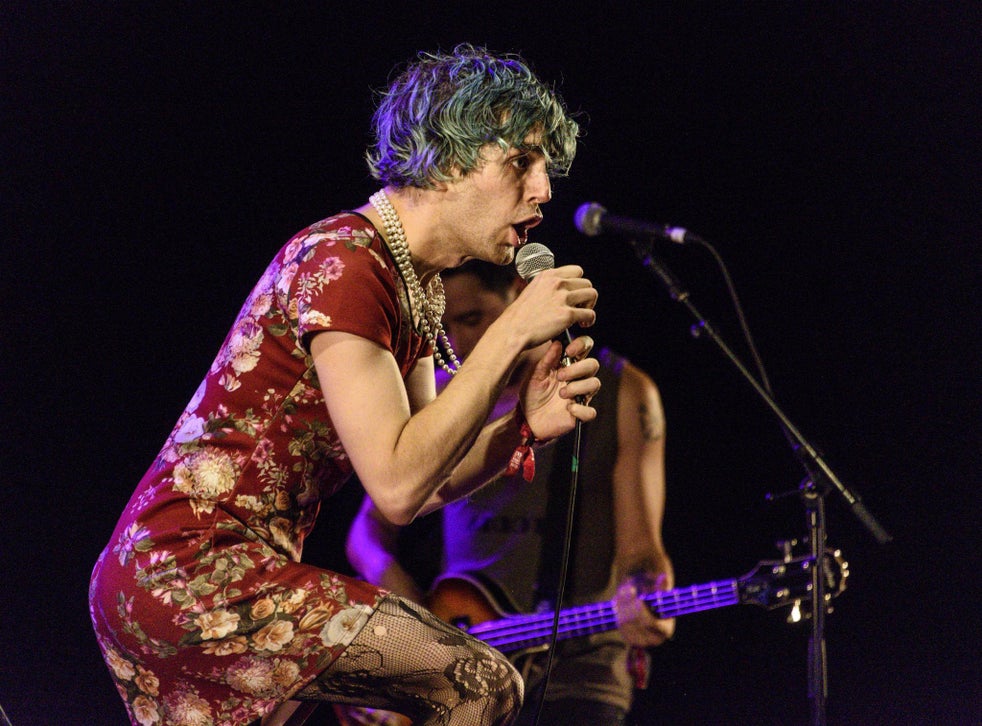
201, 604
506, 538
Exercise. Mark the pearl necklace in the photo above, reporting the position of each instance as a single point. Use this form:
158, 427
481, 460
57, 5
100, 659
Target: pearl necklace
429, 307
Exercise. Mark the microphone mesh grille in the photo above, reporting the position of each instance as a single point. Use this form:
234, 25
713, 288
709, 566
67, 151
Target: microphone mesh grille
532, 258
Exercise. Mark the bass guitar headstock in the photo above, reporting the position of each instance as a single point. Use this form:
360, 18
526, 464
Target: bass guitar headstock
778, 583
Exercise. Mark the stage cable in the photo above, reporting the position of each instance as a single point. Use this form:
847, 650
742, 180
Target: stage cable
574, 476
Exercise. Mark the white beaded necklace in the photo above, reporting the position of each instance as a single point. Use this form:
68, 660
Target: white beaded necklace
431, 306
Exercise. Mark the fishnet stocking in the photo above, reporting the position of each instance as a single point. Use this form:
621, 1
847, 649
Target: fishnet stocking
407, 660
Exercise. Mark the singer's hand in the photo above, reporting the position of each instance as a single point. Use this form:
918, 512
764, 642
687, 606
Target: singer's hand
554, 397
553, 301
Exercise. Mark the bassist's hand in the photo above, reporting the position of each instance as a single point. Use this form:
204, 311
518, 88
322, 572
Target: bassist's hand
638, 626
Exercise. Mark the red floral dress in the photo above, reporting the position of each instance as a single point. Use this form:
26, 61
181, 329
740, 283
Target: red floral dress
202, 609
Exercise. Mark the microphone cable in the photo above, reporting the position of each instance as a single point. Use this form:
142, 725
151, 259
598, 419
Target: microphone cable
574, 477
531, 259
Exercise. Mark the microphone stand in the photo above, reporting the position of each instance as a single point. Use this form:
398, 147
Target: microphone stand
819, 480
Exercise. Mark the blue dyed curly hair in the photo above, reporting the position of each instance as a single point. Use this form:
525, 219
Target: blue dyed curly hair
441, 110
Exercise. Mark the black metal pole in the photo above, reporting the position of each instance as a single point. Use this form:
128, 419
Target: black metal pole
820, 480
817, 658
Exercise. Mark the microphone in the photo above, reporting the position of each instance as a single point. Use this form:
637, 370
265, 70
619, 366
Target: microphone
592, 219
531, 259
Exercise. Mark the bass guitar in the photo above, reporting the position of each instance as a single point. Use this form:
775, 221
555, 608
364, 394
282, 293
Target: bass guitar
467, 602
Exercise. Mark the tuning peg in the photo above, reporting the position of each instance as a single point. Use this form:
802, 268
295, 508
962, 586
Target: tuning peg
786, 547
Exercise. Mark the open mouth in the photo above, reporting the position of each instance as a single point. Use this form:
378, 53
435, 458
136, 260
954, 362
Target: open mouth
522, 231
523, 227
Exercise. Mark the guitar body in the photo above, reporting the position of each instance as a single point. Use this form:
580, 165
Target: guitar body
464, 601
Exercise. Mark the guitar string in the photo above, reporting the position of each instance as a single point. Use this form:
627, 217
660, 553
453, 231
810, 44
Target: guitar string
590, 618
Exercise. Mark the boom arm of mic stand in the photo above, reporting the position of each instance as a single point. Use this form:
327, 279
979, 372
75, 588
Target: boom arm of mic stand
818, 470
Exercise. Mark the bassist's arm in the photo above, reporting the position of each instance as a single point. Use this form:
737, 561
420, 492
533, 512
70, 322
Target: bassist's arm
371, 547
642, 564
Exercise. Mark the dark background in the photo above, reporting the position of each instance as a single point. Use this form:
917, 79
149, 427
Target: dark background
155, 155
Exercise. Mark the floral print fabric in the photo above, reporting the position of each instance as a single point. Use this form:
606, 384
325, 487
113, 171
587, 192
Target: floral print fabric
203, 611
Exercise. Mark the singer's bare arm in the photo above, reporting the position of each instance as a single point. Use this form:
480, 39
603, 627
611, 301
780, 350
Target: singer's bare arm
414, 451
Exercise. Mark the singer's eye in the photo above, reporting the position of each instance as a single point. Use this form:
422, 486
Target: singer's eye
521, 162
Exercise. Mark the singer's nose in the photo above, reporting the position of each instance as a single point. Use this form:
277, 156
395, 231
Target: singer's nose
538, 187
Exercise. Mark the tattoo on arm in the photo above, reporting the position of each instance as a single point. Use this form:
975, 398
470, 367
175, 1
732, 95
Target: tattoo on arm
651, 423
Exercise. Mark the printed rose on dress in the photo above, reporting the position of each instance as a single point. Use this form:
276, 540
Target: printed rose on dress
121, 667
217, 623
293, 247
146, 681
191, 428
343, 627
145, 711
274, 635
262, 609
229, 646
263, 301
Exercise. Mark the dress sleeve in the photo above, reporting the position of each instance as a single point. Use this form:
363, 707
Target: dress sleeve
337, 279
